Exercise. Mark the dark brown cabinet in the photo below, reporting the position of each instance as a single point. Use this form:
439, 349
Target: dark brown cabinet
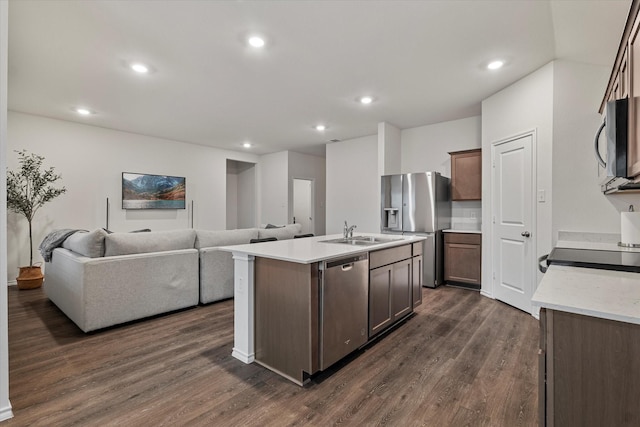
624, 82
462, 258
390, 287
466, 175
589, 373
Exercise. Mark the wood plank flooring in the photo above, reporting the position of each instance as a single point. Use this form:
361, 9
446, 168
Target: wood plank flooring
461, 360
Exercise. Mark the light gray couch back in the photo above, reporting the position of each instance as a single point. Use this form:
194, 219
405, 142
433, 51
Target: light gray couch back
212, 239
157, 241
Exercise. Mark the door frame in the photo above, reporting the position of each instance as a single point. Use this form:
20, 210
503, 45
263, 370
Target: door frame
313, 200
534, 214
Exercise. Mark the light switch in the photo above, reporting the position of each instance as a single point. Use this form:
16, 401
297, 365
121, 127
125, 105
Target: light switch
541, 196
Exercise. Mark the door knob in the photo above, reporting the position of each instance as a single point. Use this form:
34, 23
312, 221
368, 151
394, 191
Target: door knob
525, 234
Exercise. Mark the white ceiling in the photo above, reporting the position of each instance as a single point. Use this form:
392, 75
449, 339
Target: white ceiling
423, 61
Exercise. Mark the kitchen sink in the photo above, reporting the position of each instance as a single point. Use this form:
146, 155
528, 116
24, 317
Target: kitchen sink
361, 240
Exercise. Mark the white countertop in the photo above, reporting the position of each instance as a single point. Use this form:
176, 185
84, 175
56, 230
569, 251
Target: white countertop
613, 295
457, 230
312, 249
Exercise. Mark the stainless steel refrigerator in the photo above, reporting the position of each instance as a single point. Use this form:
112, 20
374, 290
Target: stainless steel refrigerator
419, 203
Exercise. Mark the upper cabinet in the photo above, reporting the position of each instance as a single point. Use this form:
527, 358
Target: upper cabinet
466, 175
625, 83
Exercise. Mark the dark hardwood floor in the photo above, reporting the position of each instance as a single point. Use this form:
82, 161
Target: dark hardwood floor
461, 360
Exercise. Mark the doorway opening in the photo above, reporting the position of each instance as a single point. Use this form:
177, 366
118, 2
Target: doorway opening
241, 195
303, 194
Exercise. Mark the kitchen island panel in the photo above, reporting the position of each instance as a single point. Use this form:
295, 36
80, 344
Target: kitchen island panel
286, 317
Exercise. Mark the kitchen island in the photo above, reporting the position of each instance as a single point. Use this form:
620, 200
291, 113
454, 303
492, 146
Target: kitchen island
589, 347
281, 290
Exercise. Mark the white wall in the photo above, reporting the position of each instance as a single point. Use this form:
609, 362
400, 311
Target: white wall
389, 149
524, 106
578, 203
5, 405
353, 185
305, 166
91, 160
232, 201
426, 148
274, 189
247, 198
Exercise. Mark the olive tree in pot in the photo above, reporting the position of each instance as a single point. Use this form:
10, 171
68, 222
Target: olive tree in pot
28, 189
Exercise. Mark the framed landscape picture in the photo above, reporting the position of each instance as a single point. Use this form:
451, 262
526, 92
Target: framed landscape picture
144, 191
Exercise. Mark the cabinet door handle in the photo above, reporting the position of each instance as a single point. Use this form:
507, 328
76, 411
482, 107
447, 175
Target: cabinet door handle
525, 234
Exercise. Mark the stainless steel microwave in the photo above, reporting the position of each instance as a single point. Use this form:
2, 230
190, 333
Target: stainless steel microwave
616, 126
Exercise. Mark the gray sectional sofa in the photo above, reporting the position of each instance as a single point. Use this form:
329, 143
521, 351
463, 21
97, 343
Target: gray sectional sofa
100, 280
216, 266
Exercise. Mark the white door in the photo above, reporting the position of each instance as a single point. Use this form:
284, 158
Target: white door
513, 222
302, 206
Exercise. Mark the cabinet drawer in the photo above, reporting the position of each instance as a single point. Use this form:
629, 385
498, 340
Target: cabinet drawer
468, 238
389, 256
417, 248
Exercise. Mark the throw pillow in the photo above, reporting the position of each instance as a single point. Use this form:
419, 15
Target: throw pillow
87, 243
274, 226
283, 233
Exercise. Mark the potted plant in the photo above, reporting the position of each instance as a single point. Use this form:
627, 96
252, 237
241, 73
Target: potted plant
28, 189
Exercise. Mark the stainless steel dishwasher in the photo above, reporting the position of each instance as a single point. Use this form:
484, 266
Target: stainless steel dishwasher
344, 298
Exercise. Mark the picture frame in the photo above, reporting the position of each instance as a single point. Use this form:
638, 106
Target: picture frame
148, 191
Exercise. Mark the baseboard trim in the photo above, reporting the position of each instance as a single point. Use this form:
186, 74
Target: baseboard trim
6, 413
242, 356
12, 283
486, 294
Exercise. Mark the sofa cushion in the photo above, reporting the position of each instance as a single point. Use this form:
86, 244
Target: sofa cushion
86, 243
286, 232
157, 241
212, 239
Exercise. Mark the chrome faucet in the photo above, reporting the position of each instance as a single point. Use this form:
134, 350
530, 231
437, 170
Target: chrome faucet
347, 231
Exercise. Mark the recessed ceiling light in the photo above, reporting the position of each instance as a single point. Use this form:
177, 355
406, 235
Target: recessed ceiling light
366, 99
320, 128
494, 65
83, 111
247, 145
256, 41
140, 68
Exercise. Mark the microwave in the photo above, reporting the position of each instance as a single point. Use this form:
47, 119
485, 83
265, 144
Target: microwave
616, 126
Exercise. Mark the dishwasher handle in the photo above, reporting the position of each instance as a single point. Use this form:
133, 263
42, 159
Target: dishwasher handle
346, 263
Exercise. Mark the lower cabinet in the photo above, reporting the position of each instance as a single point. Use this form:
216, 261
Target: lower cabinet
390, 287
589, 373
462, 258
